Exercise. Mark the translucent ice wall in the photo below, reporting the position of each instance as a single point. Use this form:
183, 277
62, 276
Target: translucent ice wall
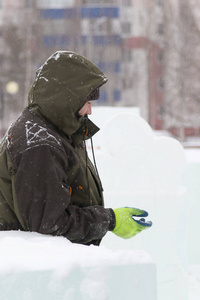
144, 171
191, 181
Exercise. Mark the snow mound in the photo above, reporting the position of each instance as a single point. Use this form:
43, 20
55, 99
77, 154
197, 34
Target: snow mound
35, 266
30, 251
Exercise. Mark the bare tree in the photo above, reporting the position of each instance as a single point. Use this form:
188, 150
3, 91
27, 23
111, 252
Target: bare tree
182, 101
21, 40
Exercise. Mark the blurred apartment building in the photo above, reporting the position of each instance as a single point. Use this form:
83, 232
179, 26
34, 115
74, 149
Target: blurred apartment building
125, 38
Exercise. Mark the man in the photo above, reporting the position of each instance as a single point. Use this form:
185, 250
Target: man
47, 182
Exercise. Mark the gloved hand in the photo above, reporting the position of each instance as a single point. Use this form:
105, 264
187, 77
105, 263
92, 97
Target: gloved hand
127, 226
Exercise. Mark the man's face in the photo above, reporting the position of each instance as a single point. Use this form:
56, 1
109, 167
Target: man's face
86, 109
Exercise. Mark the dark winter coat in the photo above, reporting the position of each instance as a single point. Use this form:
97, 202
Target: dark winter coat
47, 182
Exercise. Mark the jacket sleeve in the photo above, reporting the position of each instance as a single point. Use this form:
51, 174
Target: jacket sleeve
44, 203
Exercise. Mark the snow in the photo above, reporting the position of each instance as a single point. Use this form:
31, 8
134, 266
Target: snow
42, 77
193, 155
57, 56
35, 266
31, 251
36, 133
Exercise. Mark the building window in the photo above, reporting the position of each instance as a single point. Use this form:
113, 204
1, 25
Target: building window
126, 27
160, 56
160, 84
117, 67
92, 2
160, 111
55, 3
159, 2
160, 29
126, 3
117, 95
103, 97
99, 12
29, 3
99, 25
127, 55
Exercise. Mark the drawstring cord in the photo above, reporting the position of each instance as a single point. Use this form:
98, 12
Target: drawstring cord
86, 161
95, 165
86, 157
94, 160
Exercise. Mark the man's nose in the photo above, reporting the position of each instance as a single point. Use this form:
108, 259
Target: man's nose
89, 109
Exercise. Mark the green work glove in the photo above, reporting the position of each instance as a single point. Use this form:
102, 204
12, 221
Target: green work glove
127, 226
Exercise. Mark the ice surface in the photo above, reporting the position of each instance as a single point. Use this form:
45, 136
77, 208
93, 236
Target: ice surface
141, 170
194, 281
191, 181
35, 266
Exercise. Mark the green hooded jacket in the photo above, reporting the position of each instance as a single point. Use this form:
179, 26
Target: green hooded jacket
47, 182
